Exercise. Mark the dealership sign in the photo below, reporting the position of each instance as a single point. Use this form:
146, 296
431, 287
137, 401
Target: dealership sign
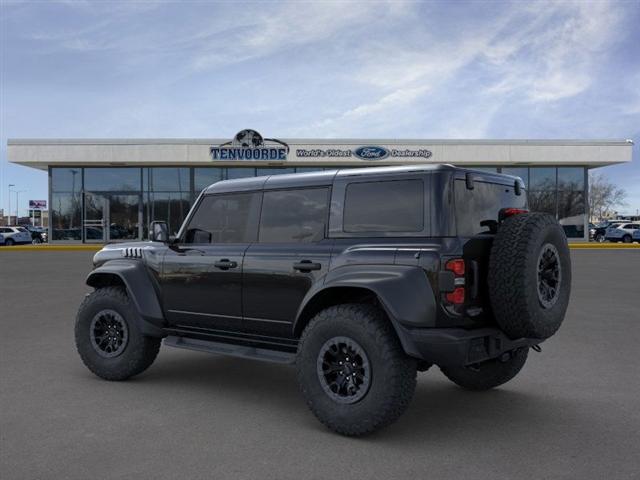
38, 204
366, 152
250, 145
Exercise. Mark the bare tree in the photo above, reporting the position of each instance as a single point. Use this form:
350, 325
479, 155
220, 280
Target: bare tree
604, 196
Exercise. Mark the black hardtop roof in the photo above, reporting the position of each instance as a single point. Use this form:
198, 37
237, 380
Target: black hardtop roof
321, 178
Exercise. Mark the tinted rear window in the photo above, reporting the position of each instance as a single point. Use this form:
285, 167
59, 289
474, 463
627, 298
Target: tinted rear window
482, 203
389, 206
297, 216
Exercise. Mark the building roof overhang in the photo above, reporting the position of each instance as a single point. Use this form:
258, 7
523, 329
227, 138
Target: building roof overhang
43, 153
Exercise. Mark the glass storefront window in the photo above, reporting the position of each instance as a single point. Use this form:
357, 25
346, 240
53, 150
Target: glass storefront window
112, 179
522, 172
66, 179
273, 171
570, 178
240, 173
171, 207
485, 169
165, 179
542, 201
203, 177
571, 213
542, 178
168, 193
66, 216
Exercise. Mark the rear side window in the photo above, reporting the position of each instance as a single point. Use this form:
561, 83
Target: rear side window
297, 216
481, 204
230, 218
389, 206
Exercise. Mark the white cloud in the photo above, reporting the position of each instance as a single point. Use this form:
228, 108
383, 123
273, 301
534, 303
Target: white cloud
553, 56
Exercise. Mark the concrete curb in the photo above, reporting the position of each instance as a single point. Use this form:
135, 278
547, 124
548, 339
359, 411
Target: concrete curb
95, 248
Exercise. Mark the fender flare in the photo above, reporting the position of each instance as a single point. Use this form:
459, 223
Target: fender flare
404, 292
140, 288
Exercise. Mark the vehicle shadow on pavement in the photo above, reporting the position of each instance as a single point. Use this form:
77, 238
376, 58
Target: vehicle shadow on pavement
443, 411
439, 409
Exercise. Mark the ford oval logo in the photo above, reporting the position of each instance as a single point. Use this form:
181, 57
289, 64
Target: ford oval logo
371, 153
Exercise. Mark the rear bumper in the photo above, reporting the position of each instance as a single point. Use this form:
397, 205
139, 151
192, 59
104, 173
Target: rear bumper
457, 346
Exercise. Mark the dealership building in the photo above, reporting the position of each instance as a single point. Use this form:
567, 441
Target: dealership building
109, 190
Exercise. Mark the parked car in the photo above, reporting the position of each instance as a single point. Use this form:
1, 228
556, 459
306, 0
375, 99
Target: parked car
600, 230
38, 234
15, 235
622, 232
1, 239
359, 277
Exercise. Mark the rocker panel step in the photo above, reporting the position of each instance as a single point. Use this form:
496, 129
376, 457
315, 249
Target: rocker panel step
229, 349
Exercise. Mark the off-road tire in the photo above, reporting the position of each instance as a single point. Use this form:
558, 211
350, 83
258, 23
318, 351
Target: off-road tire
489, 374
140, 350
513, 277
393, 373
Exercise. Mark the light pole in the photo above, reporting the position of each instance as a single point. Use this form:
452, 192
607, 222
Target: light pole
18, 192
9, 211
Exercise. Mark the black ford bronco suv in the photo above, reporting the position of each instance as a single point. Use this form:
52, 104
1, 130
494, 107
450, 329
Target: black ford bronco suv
359, 277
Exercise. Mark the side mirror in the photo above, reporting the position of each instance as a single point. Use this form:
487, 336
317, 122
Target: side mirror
159, 232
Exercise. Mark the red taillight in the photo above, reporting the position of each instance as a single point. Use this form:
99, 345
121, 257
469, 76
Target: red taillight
510, 212
456, 297
456, 266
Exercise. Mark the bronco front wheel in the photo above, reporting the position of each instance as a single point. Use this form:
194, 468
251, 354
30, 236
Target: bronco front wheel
352, 370
107, 336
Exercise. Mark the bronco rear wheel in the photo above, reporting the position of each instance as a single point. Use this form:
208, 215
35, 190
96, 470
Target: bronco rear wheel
352, 370
529, 276
107, 336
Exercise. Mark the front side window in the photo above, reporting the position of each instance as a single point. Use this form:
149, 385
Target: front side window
388, 206
297, 216
229, 218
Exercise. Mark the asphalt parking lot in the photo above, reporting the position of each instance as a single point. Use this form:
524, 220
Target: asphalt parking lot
573, 412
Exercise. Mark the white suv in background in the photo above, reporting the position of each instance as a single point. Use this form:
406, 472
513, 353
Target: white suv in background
623, 232
15, 235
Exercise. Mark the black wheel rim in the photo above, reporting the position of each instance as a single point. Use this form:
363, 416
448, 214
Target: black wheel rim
549, 275
109, 333
344, 370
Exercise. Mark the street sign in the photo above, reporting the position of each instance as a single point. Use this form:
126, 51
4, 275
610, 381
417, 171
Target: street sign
38, 204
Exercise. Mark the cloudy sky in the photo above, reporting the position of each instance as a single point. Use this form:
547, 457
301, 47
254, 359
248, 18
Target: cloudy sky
319, 69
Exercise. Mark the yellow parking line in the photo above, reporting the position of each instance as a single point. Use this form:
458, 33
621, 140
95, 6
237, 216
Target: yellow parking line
603, 246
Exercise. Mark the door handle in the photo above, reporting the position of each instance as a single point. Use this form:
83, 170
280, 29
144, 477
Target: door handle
225, 264
306, 266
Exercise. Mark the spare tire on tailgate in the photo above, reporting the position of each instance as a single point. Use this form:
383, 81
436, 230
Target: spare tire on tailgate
529, 276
